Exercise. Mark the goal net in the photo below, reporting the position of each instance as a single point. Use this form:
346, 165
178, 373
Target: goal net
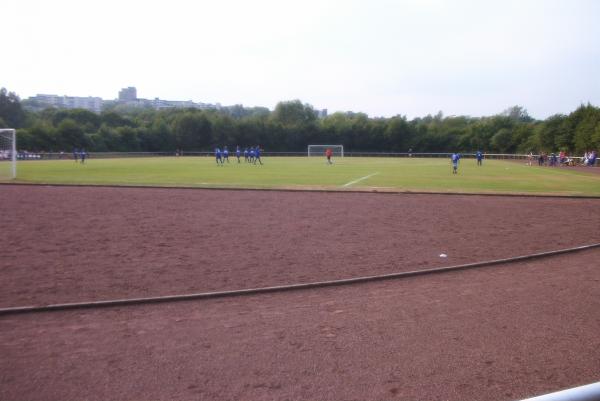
319, 150
8, 154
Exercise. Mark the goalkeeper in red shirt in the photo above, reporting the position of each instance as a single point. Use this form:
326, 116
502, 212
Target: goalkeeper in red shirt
328, 154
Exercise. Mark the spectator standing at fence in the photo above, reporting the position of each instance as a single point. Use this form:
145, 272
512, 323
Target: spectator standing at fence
541, 159
328, 154
455, 158
246, 155
529, 158
562, 157
586, 158
479, 157
238, 153
592, 158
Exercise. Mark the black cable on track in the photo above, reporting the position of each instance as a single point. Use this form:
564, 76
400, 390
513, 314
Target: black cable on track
282, 288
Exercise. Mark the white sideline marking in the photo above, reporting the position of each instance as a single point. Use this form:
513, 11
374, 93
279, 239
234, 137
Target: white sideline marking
360, 179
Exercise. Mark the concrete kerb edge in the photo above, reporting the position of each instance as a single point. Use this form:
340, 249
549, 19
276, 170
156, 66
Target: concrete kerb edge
283, 288
321, 190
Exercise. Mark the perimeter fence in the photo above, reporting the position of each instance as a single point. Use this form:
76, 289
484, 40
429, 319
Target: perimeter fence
113, 155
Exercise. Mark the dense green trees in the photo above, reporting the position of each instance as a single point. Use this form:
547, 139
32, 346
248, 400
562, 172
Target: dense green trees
292, 126
11, 112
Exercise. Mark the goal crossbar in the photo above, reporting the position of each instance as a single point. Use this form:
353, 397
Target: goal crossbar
319, 150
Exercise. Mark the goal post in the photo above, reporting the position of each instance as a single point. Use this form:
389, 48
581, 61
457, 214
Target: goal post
319, 150
8, 154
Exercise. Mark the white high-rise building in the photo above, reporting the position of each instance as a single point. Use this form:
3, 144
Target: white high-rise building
70, 102
128, 94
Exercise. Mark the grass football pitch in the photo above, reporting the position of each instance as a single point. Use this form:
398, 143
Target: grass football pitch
350, 173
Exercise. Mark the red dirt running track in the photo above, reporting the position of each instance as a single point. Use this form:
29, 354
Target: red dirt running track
498, 333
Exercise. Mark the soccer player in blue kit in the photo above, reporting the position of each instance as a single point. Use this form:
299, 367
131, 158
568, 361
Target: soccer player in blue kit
455, 158
257, 155
252, 154
238, 153
479, 157
218, 157
225, 154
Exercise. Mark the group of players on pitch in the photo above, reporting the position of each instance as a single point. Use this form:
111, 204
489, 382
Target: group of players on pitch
251, 155
455, 158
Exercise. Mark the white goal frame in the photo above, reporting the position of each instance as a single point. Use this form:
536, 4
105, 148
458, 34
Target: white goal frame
11, 135
319, 150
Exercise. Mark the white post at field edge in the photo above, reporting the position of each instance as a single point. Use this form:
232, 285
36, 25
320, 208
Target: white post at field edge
14, 154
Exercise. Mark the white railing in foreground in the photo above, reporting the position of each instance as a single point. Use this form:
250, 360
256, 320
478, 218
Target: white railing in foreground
590, 392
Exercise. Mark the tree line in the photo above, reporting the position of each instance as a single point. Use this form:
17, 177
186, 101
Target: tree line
293, 125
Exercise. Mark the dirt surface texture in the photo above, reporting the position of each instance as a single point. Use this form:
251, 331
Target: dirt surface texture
78, 244
501, 333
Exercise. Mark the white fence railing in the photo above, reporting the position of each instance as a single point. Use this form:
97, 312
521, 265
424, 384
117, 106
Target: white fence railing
109, 155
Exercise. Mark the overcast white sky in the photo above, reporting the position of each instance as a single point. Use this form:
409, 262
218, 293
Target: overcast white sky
408, 57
